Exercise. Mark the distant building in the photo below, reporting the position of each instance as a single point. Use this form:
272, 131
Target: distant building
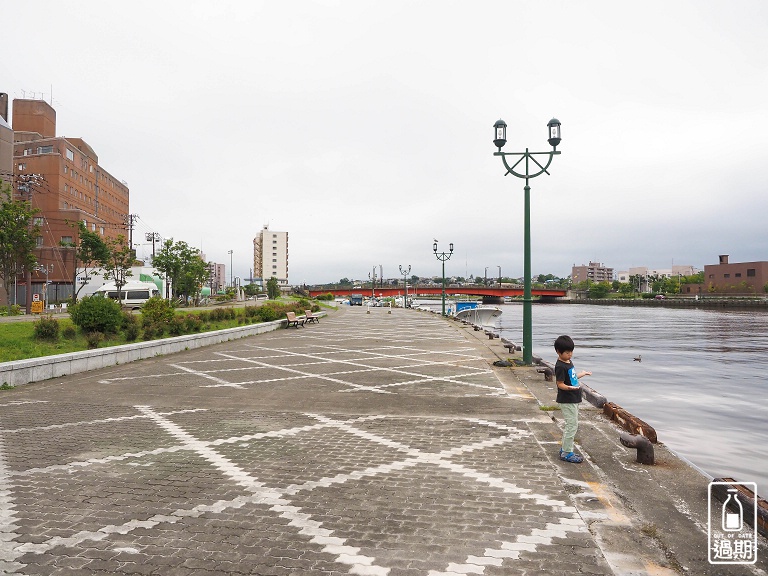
6, 142
270, 257
648, 274
736, 278
595, 272
62, 178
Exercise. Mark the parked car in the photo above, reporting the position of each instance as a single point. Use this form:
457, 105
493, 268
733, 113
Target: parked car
660, 297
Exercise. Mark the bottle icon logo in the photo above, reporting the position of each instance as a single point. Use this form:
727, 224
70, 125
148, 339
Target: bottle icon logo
733, 521
732, 526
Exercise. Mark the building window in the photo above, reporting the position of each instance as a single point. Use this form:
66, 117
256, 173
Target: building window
39, 242
738, 274
70, 155
45, 149
93, 227
750, 272
274, 260
101, 230
38, 221
27, 151
22, 166
66, 169
66, 239
726, 275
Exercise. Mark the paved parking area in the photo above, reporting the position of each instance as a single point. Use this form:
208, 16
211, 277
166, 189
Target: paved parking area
370, 444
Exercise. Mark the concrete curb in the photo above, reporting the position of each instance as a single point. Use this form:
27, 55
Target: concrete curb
20, 372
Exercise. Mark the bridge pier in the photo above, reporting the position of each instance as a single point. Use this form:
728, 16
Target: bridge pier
493, 300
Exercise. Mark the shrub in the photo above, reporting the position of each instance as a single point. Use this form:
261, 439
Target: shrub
47, 328
176, 327
328, 296
192, 323
268, 313
131, 332
152, 331
93, 338
157, 310
97, 314
69, 333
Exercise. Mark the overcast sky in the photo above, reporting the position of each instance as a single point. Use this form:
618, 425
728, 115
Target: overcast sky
364, 129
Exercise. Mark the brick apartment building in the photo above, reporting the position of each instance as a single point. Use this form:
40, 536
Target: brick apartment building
595, 272
62, 178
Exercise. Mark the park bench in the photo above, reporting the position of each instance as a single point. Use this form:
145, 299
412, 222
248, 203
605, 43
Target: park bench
311, 317
294, 320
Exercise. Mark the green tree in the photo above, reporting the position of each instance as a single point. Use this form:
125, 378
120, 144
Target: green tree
18, 237
117, 267
183, 267
599, 290
273, 288
90, 251
251, 289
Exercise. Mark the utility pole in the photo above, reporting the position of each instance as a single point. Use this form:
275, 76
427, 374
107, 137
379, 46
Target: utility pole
130, 223
153, 237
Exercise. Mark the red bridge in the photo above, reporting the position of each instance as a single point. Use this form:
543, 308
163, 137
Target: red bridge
449, 290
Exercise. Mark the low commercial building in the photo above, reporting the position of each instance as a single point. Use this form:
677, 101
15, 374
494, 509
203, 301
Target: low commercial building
736, 278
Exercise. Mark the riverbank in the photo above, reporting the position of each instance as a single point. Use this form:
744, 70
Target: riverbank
673, 302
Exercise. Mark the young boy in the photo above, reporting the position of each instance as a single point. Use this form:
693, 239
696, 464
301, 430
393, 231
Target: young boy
568, 396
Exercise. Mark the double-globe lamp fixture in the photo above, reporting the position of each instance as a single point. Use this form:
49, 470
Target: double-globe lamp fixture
443, 256
500, 139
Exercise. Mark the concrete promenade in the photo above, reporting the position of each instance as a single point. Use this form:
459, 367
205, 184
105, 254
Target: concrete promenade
368, 444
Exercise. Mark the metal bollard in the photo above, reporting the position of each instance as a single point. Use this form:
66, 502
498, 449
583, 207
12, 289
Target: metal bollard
643, 445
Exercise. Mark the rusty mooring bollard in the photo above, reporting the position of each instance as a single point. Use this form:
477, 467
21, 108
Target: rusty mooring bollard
643, 445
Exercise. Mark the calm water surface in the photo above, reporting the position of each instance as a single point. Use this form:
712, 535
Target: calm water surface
702, 382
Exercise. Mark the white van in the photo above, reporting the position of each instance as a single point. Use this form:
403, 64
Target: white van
132, 295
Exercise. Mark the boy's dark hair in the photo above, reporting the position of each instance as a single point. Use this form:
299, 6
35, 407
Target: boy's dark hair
564, 344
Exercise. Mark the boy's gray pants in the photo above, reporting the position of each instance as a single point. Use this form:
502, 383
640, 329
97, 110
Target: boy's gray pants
570, 412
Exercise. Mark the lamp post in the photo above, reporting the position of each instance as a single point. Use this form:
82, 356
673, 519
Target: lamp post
500, 139
372, 278
405, 281
45, 268
499, 267
485, 278
231, 282
442, 256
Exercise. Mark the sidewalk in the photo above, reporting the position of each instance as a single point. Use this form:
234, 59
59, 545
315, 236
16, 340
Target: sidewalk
371, 444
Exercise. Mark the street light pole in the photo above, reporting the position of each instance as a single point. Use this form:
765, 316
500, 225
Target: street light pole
499, 267
442, 256
405, 281
500, 139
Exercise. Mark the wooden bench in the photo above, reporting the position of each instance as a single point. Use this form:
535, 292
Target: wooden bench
311, 317
294, 320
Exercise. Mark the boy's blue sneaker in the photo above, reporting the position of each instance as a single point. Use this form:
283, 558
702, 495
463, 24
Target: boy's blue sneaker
571, 457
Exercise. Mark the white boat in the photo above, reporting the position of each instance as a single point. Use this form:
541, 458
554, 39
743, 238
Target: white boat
477, 314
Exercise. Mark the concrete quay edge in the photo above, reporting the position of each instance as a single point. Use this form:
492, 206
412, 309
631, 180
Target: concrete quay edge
646, 519
18, 372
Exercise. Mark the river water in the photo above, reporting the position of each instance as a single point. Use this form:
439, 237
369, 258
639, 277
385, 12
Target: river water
702, 381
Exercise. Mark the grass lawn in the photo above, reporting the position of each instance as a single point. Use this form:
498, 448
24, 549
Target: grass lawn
17, 340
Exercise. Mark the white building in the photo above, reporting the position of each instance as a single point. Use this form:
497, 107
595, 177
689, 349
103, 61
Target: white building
646, 273
270, 257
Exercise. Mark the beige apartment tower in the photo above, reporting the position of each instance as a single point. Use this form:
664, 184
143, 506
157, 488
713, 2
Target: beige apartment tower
270, 257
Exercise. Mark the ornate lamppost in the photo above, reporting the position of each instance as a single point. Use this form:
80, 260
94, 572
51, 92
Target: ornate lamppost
500, 139
405, 281
231, 271
442, 256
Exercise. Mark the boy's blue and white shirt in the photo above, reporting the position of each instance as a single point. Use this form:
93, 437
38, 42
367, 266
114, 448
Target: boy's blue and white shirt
572, 376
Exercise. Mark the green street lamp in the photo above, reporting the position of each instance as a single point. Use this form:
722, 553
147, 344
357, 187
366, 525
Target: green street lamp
405, 282
442, 256
500, 139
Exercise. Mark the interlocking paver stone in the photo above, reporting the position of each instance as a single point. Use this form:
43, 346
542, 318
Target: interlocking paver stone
371, 444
